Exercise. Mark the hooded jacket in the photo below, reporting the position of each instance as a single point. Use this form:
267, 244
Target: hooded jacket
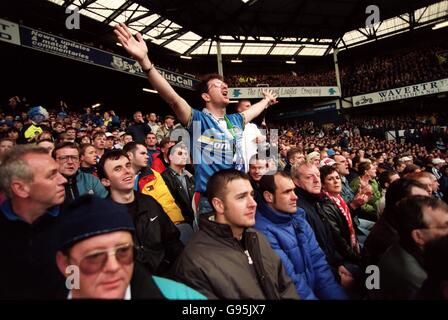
294, 241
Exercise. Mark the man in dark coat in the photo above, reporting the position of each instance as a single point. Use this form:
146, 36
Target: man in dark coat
226, 259
156, 236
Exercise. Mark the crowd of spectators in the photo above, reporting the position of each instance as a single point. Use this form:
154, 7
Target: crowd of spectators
322, 202
392, 70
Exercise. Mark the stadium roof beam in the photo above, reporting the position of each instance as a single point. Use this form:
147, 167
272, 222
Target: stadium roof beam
195, 46
336, 23
119, 11
152, 25
178, 34
86, 3
67, 3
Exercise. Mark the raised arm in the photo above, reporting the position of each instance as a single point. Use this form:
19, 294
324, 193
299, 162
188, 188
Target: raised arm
269, 99
137, 48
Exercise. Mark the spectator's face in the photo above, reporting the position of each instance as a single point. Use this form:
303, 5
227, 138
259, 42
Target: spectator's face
138, 117
309, 179
68, 160
109, 143
297, 158
166, 147
169, 122
85, 139
5, 147
372, 171
89, 156
179, 157
120, 175
436, 221
100, 142
341, 165
47, 188
217, 92
243, 106
59, 128
400, 167
332, 183
152, 117
71, 134
427, 182
140, 157
316, 161
435, 184
127, 138
111, 256
237, 208
13, 135
257, 169
151, 140
284, 199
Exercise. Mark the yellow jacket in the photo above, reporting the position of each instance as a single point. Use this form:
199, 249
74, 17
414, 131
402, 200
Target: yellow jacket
150, 182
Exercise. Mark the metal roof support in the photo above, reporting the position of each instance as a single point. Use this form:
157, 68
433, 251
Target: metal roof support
119, 11
336, 69
219, 57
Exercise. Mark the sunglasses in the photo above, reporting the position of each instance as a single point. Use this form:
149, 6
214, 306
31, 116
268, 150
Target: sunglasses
95, 261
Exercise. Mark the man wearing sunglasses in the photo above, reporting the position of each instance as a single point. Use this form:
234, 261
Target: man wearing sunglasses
96, 255
215, 137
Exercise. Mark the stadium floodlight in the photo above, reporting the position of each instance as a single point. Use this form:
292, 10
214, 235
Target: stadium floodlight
290, 61
245, 1
186, 57
237, 60
150, 90
119, 44
440, 25
96, 105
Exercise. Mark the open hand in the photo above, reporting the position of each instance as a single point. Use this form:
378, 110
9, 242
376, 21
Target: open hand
135, 46
270, 95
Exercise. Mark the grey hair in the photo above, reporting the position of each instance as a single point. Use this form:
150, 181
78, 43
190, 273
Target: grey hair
295, 169
14, 167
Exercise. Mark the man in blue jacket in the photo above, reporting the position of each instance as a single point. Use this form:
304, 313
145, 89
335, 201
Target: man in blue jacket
78, 183
285, 226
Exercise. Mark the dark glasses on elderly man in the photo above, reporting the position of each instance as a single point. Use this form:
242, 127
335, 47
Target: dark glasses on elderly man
95, 261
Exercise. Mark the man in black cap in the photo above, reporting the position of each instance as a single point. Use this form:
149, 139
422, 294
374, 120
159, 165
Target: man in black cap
96, 255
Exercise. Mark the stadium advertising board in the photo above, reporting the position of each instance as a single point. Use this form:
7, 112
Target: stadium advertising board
42, 41
416, 90
285, 92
